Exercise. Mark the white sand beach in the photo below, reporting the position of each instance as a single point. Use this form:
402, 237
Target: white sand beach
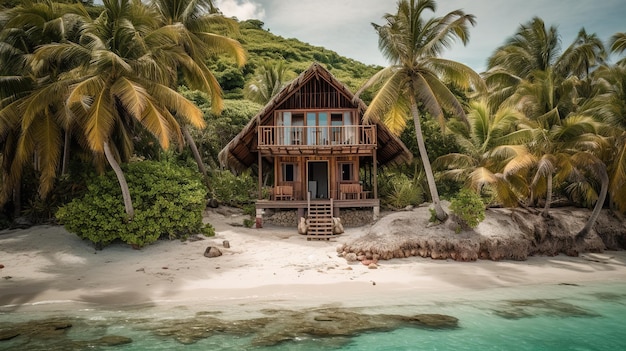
46, 264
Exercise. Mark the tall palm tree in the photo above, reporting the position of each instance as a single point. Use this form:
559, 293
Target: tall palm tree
609, 107
417, 76
493, 153
196, 22
33, 117
126, 62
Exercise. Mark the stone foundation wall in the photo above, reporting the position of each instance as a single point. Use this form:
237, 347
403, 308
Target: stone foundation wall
289, 218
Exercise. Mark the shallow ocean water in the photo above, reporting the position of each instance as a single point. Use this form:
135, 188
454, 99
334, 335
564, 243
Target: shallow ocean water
555, 317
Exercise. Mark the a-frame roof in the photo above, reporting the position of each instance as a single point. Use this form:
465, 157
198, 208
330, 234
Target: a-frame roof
239, 153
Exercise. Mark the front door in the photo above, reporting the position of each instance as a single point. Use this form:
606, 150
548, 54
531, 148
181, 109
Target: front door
317, 179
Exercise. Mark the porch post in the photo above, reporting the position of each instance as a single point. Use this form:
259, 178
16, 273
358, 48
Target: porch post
375, 185
259, 211
376, 209
260, 175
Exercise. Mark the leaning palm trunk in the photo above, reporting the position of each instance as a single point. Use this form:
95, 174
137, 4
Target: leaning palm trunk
546, 207
66, 152
128, 203
194, 151
432, 186
604, 187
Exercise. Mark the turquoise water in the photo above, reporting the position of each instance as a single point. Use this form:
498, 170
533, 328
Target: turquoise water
559, 317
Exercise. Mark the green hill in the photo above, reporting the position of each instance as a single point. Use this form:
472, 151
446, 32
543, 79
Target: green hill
263, 46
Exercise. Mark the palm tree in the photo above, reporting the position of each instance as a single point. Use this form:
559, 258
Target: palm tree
609, 107
268, 81
195, 21
534, 53
32, 109
618, 45
417, 74
126, 66
493, 155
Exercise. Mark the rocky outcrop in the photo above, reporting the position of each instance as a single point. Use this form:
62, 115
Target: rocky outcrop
280, 326
505, 234
52, 332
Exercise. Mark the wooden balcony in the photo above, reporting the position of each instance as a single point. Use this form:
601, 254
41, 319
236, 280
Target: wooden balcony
353, 138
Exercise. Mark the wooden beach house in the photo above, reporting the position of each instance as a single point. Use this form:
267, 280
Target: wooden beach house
311, 140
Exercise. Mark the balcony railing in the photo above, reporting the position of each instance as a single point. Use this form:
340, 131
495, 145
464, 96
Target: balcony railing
317, 136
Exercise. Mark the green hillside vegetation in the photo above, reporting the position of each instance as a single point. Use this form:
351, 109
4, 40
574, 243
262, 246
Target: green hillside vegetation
262, 46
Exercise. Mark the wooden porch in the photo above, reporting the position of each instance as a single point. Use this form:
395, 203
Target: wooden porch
296, 204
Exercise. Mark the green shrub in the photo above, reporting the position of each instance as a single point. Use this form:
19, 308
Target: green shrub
402, 192
468, 207
168, 201
233, 190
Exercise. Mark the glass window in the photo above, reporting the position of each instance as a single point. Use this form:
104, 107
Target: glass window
289, 172
346, 172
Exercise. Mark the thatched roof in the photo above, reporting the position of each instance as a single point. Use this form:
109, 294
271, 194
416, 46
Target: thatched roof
240, 153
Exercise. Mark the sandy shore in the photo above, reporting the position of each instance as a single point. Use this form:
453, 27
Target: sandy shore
47, 264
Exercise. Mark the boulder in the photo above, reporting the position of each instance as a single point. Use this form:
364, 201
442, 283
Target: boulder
212, 251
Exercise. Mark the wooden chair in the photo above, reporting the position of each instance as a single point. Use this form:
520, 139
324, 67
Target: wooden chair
351, 191
283, 192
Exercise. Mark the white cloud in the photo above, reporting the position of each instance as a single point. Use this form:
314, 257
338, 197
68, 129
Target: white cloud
242, 9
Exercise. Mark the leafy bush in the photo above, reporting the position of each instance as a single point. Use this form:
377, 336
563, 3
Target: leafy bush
468, 207
400, 191
168, 200
233, 190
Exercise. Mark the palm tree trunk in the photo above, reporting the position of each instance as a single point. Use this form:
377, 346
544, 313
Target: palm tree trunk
546, 207
194, 150
604, 178
66, 152
128, 202
432, 186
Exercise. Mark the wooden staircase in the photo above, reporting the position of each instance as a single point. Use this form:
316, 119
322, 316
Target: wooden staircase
320, 220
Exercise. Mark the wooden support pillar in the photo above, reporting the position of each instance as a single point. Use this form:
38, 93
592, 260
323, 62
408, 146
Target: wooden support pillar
260, 172
375, 185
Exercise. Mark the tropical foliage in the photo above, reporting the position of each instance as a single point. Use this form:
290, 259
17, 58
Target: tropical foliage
170, 201
413, 45
87, 88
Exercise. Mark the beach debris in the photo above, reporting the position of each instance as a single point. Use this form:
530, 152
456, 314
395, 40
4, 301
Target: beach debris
7, 277
141, 270
196, 237
372, 266
1, 266
212, 251
226, 244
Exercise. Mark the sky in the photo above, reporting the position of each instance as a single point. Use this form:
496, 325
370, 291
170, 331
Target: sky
344, 26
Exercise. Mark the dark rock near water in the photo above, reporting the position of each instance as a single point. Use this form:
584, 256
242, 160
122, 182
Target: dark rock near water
112, 340
279, 326
516, 309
